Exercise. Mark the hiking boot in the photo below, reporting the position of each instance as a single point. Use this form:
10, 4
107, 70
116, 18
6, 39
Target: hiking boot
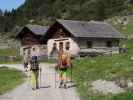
65, 86
33, 89
61, 83
37, 87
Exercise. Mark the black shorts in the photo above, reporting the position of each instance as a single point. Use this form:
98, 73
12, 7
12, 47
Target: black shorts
63, 69
25, 65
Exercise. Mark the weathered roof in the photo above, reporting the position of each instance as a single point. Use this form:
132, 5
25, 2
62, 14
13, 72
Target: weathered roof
91, 29
36, 29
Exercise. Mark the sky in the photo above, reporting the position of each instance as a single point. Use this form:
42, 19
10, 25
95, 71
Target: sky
10, 4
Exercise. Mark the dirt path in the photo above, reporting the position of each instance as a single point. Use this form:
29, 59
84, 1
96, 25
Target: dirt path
49, 88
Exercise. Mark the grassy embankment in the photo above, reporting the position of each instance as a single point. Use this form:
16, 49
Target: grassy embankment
9, 79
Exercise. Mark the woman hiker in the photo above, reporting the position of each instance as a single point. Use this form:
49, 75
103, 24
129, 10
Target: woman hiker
34, 68
64, 62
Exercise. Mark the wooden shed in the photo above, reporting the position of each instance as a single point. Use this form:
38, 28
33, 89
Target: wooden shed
82, 37
31, 36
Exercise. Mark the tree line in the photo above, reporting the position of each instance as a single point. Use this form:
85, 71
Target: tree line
45, 11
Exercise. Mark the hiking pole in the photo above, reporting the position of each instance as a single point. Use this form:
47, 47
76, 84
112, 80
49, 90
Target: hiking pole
56, 75
40, 71
71, 73
29, 78
55, 78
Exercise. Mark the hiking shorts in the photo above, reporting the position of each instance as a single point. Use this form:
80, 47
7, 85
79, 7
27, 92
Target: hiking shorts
63, 74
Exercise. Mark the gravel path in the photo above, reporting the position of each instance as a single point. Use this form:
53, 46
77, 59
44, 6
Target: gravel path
49, 87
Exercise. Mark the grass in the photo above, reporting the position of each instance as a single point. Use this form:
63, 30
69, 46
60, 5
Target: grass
128, 28
8, 52
10, 62
9, 79
17, 61
111, 67
87, 70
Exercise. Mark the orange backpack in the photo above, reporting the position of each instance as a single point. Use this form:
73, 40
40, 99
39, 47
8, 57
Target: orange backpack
63, 61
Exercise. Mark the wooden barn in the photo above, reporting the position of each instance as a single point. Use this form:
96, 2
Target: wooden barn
82, 37
31, 36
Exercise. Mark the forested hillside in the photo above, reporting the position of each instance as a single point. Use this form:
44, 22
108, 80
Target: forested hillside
45, 11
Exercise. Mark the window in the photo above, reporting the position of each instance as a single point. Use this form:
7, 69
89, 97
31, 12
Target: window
117, 43
67, 45
89, 44
61, 45
54, 46
109, 44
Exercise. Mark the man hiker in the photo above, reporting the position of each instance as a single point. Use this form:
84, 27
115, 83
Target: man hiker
34, 68
63, 65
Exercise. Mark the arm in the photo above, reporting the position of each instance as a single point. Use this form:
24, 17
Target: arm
29, 66
69, 61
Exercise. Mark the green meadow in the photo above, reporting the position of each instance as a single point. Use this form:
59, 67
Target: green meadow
9, 79
108, 67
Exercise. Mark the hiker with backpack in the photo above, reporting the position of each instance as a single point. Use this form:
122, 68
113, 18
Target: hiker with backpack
34, 68
26, 59
63, 64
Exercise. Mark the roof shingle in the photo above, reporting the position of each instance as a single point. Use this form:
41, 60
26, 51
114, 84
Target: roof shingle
91, 29
37, 29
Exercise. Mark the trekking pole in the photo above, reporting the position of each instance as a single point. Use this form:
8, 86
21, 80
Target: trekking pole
71, 73
40, 71
55, 78
29, 78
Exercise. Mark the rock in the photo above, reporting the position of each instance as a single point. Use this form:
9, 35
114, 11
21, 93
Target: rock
106, 87
131, 58
124, 28
130, 85
123, 83
115, 23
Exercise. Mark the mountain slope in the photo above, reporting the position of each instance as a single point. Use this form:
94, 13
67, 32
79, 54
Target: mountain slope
45, 11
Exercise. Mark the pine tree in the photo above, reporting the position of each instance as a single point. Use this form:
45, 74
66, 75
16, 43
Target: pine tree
1, 12
63, 9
